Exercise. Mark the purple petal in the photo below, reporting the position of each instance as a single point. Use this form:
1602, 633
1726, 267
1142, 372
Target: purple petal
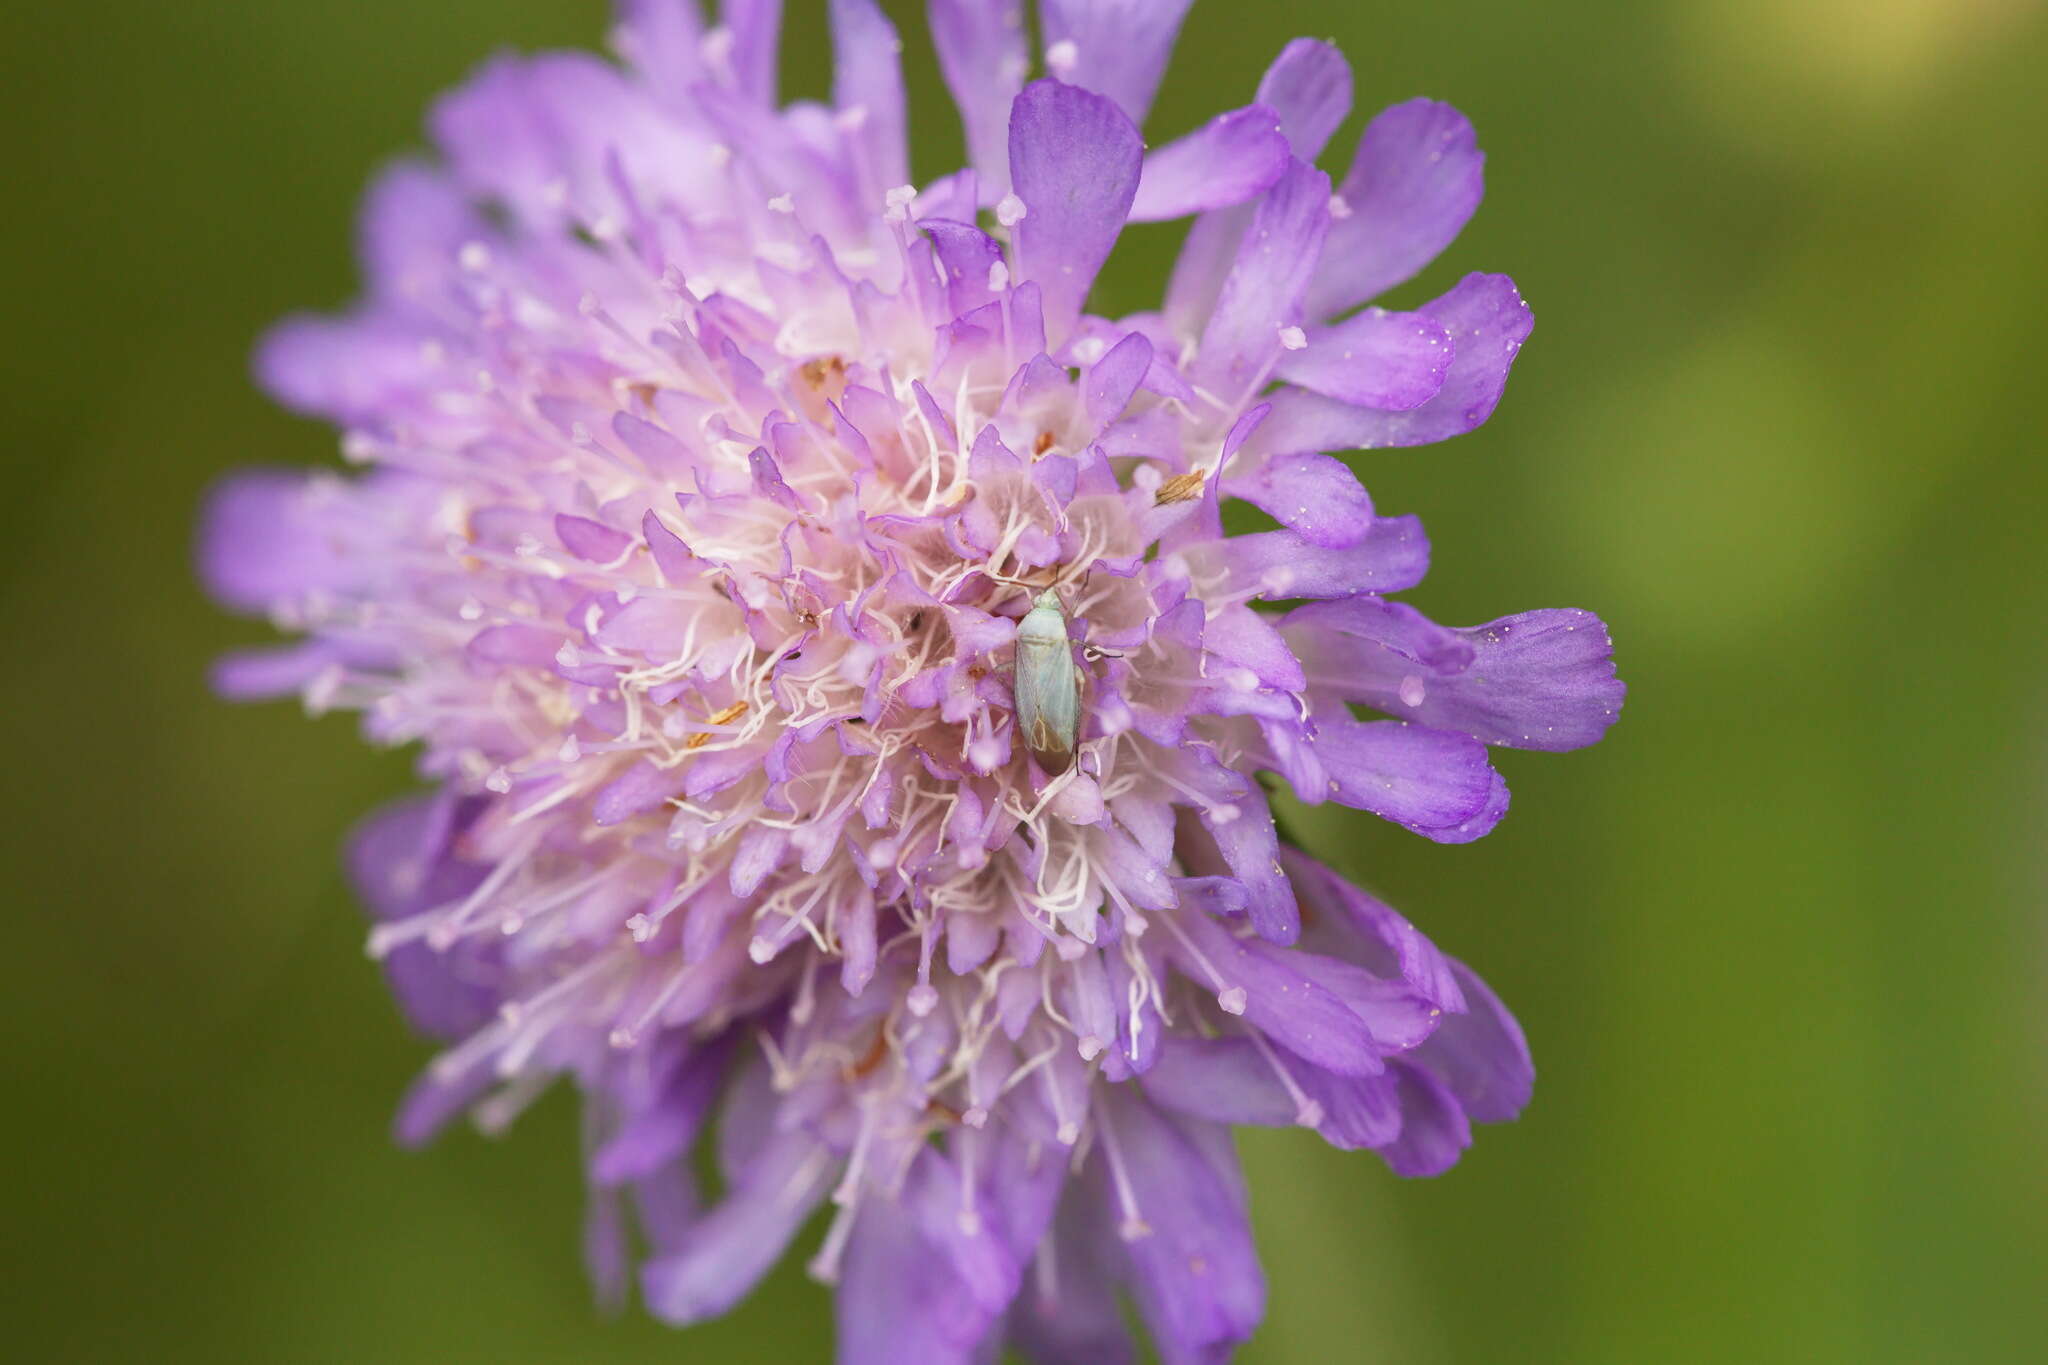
1264, 290
400, 863
1487, 323
642, 788
667, 1206
1490, 814
1284, 564
1234, 157
263, 540
974, 1248
756, 28
1200, 269
1088, 1002
857, 940
1224, 897
591, 540
396, 855
1113, 380
1416, 179
1434, 1130
666, 1127
663, 40
1118, 47
1139, 1028
1398, 1018
1068, 1312
263, 674
493, 135
1247, 423
725, 1254
1238, 635
746, 1121
414, 221
1357, 1111
1374, 358
652, 626
1196, 1273
1027, 318
966, 255
980, 46
1021, 1185
1480, 1055
607, 1248
495, 648
347, 369
759, 854
1246, 838
1225, 1080
671, 556
1127, 865
768, 481
1361, 928
1537, 680
1401, 640
955, 197
868, 88
1315, 496
659, 450
433, 1100
1074, 162
1309, 87
521, 129
1418, 777
899, 1299
1280, 997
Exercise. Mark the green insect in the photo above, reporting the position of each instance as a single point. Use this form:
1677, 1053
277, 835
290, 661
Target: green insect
1047, 686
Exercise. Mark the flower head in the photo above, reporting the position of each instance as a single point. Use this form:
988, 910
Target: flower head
846, 710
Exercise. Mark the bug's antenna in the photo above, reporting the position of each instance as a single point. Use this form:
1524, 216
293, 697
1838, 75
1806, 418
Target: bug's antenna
1024, 583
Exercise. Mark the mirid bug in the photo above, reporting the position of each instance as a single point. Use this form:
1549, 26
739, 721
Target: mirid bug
1047, 686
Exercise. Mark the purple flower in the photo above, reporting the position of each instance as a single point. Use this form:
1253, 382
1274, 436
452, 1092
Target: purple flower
709, 469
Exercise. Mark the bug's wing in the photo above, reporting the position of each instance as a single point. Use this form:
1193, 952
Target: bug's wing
1039, 734
1048, 696
1060, 714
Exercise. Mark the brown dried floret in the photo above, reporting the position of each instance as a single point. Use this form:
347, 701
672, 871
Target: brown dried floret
1179, 488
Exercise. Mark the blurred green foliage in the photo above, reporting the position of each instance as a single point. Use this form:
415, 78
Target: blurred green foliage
1779, 942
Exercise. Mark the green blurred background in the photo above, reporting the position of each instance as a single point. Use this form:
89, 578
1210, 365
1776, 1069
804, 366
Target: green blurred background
1779, 942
